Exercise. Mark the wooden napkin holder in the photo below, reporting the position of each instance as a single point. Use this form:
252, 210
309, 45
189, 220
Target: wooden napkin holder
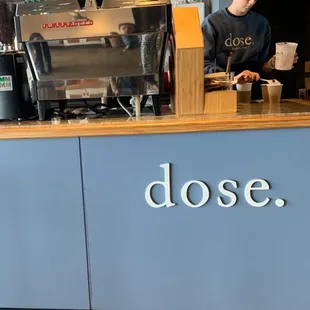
220, 102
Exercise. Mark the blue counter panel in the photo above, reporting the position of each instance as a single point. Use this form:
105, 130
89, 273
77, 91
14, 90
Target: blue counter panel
42, 244
211, 257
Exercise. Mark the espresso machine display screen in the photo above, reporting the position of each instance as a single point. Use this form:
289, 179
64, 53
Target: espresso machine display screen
88, 49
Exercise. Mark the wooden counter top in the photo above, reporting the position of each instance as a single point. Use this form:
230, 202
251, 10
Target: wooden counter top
290, 114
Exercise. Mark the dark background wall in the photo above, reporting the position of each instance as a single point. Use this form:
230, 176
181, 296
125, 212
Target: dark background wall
289, 21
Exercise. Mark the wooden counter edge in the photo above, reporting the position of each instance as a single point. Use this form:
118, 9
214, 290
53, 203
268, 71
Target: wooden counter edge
162, 126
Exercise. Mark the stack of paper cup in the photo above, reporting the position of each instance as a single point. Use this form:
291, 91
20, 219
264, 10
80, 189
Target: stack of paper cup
285, 53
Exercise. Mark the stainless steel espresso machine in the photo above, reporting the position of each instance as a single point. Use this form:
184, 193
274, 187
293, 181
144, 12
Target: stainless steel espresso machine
81, 51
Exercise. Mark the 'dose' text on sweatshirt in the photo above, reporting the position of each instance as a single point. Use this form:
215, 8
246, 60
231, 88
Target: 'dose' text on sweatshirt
247, 37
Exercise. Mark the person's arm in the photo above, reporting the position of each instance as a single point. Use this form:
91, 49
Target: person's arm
209, 48
270, 64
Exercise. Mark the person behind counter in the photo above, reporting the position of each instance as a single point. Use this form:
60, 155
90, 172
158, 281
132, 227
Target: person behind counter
242, 32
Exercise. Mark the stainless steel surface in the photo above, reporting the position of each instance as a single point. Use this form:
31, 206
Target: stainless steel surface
96, 23
94, 52
96, 88
47, 7
88, 58
95, 62
106, 4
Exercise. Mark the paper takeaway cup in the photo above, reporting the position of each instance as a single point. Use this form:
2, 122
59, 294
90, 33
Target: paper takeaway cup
285, 53
274, 93
244, 92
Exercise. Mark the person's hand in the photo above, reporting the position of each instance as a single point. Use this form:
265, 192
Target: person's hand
247, 77
272, 61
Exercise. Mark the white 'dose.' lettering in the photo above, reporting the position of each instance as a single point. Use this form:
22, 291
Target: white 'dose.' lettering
236, 42
227, 199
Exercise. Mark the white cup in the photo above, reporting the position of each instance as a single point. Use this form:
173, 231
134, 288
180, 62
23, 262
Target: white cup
285, 53
244, 87
274, 93
244, 92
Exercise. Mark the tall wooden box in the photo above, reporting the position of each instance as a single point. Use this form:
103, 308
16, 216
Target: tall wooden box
188, 56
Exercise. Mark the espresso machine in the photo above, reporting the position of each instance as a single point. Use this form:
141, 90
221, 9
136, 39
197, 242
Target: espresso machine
82, 50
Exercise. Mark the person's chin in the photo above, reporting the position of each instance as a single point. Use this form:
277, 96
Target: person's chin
245, 11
